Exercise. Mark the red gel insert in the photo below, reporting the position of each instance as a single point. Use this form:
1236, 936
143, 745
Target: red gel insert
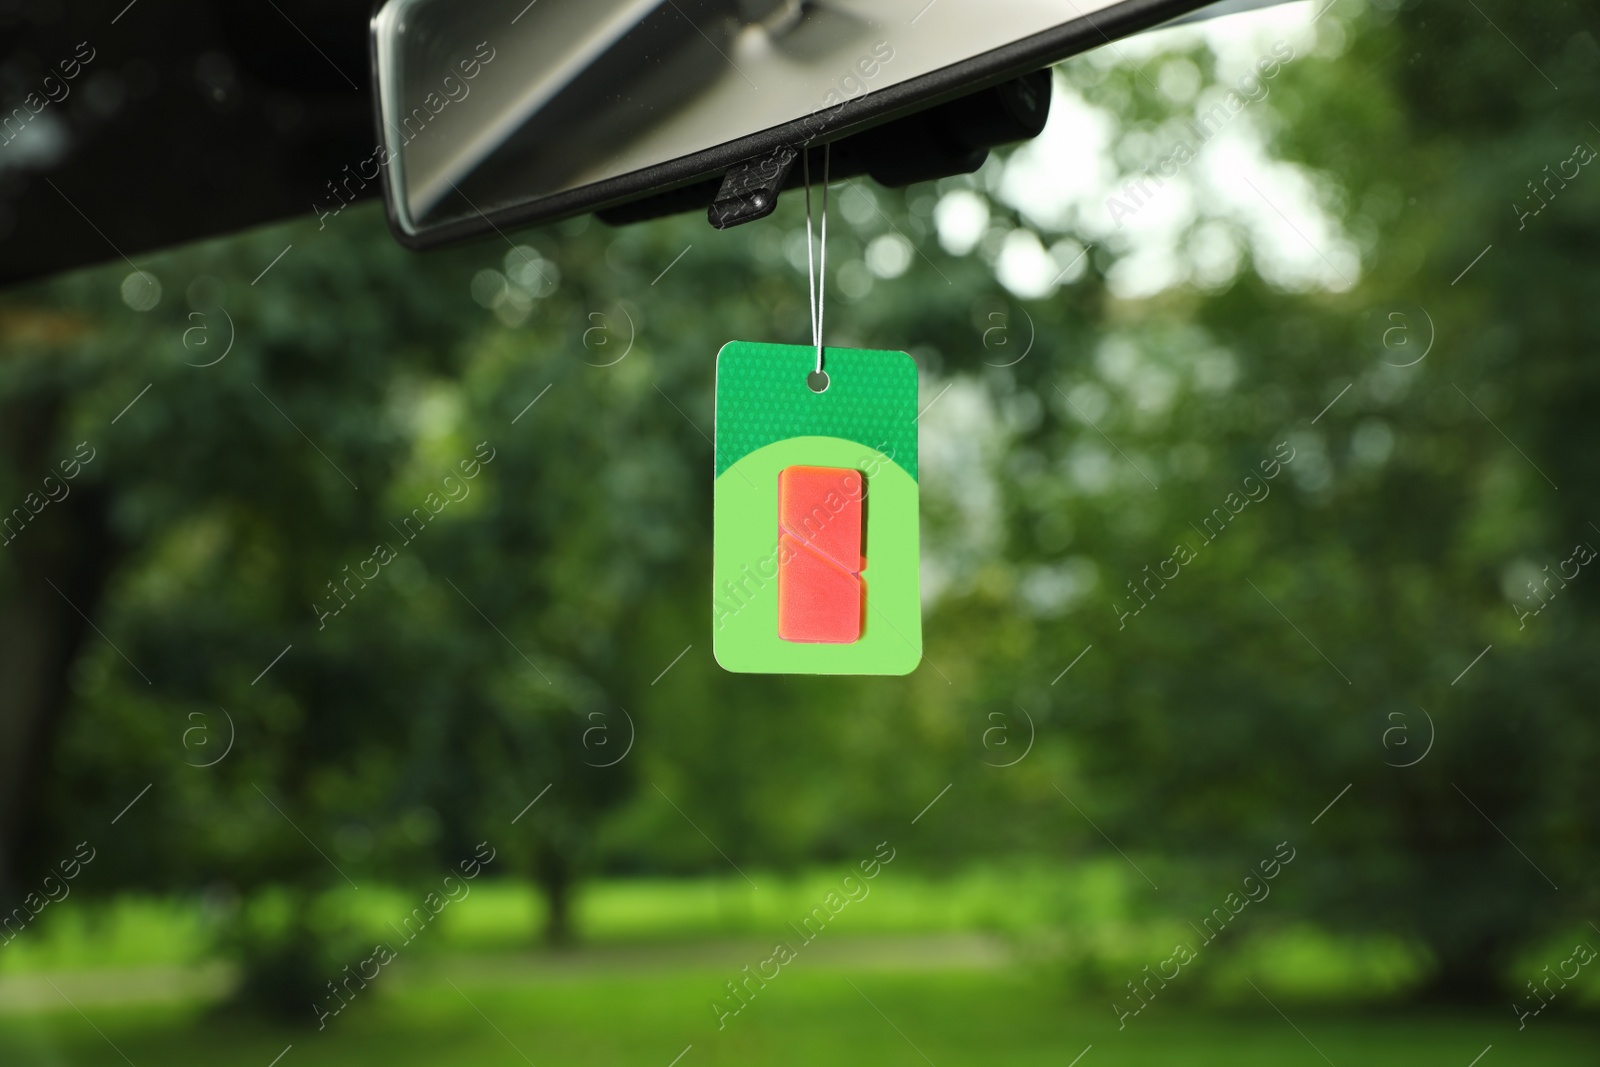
821, 595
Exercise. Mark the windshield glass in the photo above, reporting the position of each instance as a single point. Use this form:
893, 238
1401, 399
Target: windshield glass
357, 697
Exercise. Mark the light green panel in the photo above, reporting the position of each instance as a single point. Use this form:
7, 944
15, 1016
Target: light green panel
745, 565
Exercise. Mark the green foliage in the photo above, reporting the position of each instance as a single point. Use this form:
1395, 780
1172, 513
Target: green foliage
520, 635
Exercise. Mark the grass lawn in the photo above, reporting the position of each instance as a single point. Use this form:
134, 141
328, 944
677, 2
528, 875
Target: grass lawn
851, 1003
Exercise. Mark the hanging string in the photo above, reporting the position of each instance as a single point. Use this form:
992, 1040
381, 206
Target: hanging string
817, 272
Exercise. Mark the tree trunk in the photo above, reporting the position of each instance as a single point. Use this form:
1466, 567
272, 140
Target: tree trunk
1468, 973
556, 878
285, 973
51, 569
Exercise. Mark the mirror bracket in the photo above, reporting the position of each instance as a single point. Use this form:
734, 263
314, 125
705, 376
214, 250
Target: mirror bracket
749, 190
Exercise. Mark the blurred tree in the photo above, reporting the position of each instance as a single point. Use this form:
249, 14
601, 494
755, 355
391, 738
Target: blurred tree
1206, 725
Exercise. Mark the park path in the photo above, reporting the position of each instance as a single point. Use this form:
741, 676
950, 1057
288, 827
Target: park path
27, 994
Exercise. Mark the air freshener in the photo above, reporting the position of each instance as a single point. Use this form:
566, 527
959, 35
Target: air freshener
816, 553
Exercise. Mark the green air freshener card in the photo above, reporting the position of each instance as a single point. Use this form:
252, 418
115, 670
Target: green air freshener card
816, 556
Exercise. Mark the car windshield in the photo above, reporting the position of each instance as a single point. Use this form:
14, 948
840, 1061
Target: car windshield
358, 702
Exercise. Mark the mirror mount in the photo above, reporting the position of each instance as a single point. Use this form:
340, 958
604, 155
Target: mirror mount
749, 190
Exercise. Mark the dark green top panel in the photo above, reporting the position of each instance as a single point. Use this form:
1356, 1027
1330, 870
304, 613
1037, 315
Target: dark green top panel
762, 397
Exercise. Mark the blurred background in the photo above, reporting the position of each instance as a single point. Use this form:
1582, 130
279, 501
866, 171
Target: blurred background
356, 693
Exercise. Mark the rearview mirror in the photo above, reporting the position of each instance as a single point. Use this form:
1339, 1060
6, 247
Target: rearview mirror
505, 113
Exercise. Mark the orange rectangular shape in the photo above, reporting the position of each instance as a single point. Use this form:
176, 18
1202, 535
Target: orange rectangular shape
821, 594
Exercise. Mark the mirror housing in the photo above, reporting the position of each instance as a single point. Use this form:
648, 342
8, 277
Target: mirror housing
508, 113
